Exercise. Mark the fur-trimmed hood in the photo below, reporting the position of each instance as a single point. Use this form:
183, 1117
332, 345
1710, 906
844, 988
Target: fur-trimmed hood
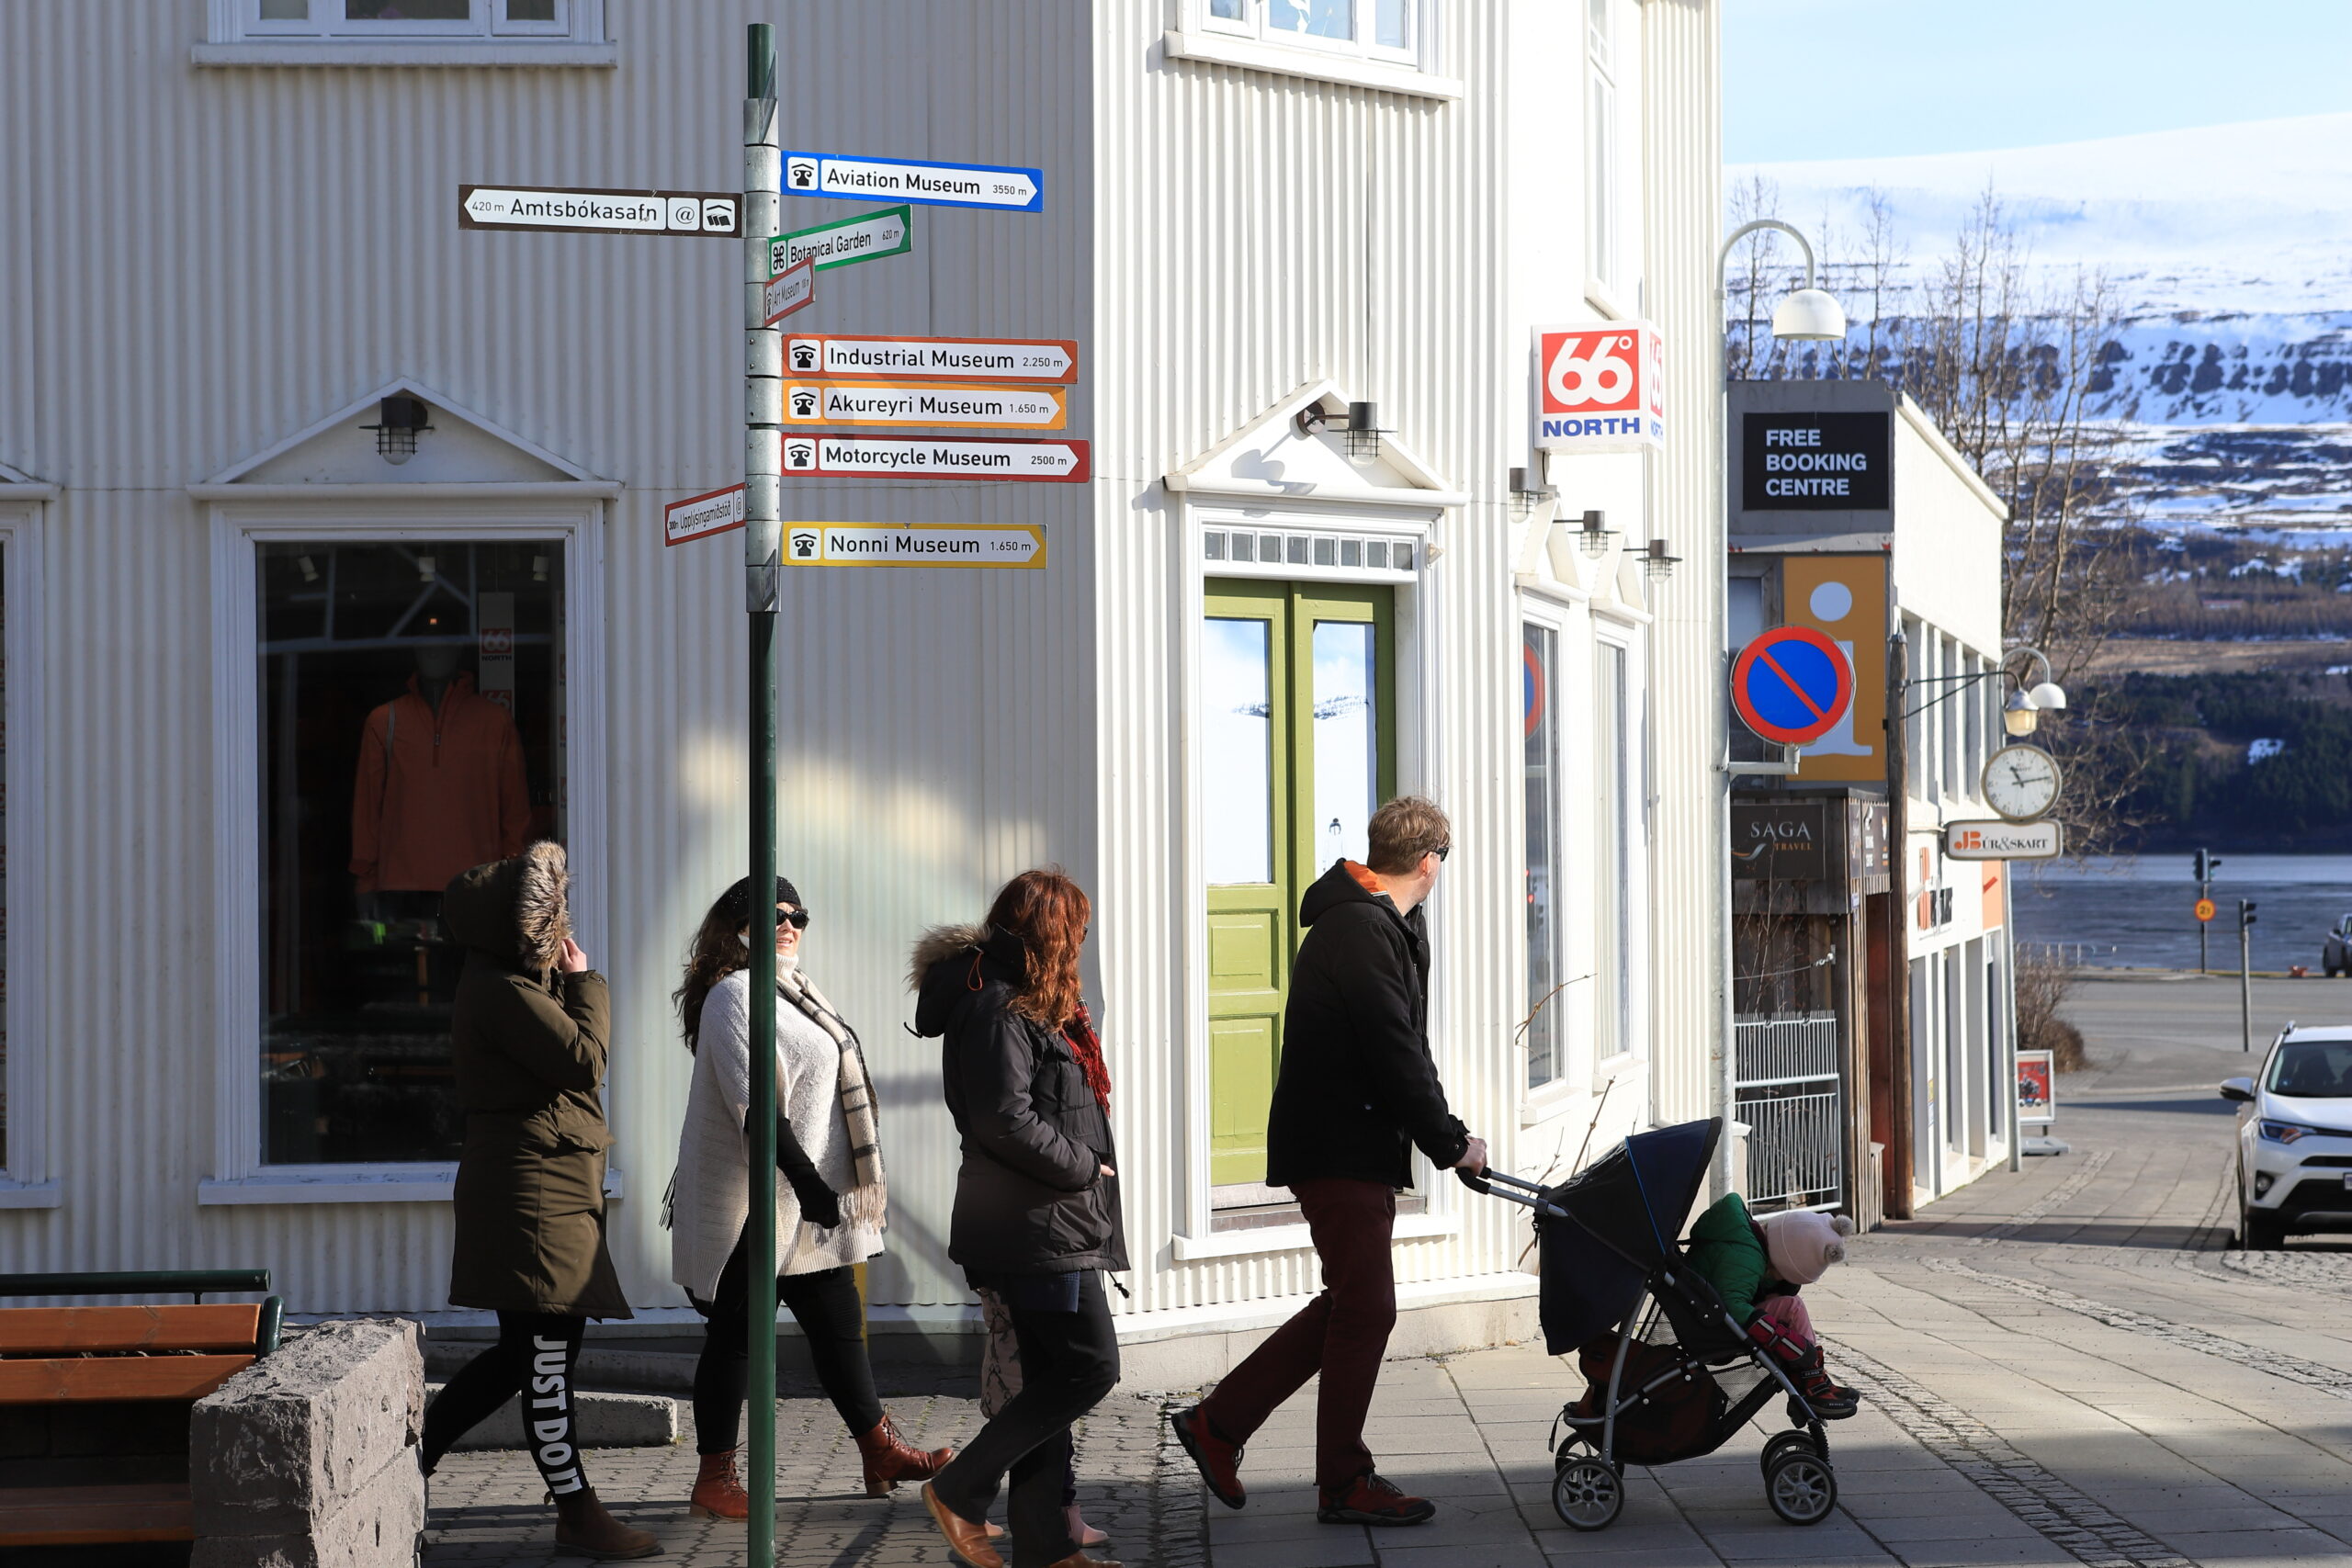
938, 942
952, 962
516, 910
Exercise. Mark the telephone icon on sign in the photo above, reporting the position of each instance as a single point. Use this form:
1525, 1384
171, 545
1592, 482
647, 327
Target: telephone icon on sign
801, 174
804, 355
800, 454
804, 543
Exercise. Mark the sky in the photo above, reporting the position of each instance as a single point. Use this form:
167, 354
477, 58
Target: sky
1908, 76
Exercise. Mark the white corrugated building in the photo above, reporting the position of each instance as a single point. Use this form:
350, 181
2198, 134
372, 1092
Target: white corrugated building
237, 251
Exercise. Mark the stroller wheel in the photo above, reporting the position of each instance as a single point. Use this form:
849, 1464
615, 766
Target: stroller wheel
1800, 1486
1588, 1493
1779, 1443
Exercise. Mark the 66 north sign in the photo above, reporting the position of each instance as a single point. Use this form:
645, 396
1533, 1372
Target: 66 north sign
1598, 387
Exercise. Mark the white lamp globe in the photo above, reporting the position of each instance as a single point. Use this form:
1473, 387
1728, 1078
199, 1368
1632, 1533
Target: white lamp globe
2050, 694
1809, 315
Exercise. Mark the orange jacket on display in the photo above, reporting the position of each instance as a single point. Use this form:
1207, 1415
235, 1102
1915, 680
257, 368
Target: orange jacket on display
437, 793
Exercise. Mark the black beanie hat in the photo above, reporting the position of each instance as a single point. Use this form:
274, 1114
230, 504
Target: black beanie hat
736, 902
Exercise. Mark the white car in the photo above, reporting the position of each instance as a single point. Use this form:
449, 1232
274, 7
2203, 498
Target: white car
2295, 1137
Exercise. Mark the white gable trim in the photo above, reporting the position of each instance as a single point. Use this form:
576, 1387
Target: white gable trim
17, 485
1207, 475
404, 387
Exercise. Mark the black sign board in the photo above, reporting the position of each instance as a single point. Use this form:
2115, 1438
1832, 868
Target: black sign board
1781, 843
1815, 462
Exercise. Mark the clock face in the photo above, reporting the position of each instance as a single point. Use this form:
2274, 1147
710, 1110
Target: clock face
2021, 783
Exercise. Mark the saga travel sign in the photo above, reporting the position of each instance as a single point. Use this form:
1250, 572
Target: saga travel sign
932, 403
910, 179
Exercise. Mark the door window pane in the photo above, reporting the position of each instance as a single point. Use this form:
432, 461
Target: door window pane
1237, 750
407, 10
412, 711
1539, 656
1228, 10
1389, 24
1347, 739
1317, 19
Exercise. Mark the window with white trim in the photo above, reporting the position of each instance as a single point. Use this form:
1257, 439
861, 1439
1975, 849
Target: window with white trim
567, 21
1615, 925
1601, 144
1394, 32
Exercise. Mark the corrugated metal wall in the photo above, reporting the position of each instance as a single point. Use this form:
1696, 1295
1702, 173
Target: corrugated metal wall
1681, 185
207, 261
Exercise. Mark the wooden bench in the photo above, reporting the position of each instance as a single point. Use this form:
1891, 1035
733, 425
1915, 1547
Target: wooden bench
81, 1356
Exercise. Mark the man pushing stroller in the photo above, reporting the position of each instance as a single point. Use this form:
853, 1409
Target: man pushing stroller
1758, 1266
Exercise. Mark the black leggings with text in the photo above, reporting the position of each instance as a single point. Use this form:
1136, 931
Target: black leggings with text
534, 1357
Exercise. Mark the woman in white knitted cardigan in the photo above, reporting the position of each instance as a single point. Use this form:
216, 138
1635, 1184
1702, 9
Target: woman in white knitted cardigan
830, 1196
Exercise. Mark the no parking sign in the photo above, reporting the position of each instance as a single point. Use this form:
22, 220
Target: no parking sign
1791, 684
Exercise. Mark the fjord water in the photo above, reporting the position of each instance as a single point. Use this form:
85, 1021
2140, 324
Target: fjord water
2139, 913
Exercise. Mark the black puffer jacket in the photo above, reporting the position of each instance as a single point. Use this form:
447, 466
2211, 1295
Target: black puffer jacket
1357, 1082
1030, 1197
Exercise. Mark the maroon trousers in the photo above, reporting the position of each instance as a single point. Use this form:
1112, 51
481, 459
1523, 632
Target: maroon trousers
1342, 1334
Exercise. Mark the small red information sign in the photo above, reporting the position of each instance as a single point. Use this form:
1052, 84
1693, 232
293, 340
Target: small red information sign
2205, 910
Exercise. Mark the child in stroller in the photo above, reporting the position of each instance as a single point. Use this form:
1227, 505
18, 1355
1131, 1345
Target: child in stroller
1758, 1266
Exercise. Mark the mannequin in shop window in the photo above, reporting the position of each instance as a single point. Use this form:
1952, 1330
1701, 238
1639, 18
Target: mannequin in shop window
440, 790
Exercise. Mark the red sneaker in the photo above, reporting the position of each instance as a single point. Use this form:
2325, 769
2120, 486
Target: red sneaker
1220, 1461
1370, 1500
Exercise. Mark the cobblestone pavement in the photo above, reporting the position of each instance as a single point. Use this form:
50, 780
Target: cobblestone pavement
2065, 1365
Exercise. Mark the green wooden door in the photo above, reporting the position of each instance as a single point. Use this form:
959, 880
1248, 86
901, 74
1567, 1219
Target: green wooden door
1298, 747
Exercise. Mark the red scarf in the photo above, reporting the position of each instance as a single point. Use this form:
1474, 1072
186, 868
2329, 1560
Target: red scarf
1079, 1034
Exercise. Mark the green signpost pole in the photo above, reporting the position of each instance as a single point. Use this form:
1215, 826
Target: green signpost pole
762, 502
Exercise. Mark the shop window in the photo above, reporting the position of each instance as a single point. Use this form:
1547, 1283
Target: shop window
410, 706
1547, 1027
1612, 881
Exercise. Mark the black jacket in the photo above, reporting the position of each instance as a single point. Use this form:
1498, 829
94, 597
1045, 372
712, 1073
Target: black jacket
1030, 1197
1357, 1082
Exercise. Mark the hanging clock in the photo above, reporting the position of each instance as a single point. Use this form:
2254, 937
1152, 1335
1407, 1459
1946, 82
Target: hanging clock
2021, 783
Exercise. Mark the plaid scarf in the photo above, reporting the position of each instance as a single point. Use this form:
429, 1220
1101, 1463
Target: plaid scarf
864, 1204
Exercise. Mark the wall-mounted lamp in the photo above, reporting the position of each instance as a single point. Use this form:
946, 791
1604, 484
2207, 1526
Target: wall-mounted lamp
1365, 431
424, 568
397, 420
309, 568
1657, 562
538, 569
1595, 534
1312, 420
1524, 496
2021, 713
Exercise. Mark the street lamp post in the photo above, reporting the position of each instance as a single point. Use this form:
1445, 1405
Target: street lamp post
1807, 315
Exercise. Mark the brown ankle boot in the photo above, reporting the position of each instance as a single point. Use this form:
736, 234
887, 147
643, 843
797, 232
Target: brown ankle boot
582, 1525
718, 1491
889, 1458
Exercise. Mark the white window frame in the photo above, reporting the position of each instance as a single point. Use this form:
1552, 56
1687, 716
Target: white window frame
1569, 718
238, 529
237, 35
1195, 1233
1604, 160
1626, 633
1249, 40
28, 1182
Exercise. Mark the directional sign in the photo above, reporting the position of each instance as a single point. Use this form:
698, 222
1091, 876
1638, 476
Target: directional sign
1791, 684
997, 544
2004, 841
934, 458
703, 214
700, 516
794, 290
869, 236
912, 179
933, 403
972, 358
2205, 910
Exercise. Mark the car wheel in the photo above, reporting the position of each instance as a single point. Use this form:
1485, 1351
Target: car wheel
2259, 1231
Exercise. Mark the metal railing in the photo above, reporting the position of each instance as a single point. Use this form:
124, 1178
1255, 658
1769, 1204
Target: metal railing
1786, 1087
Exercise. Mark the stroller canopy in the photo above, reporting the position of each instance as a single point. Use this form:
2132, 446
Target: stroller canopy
1623, 1212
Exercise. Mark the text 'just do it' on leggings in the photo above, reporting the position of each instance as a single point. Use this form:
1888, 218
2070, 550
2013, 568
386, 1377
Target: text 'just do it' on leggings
534, 1356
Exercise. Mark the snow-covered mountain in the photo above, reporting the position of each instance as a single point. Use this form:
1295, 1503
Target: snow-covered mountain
2228, 252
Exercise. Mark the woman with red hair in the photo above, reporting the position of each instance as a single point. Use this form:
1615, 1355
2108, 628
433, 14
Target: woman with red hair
1037, 1218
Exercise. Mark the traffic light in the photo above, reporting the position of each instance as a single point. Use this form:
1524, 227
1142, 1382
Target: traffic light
2245, 913
2205, 865
2197, 873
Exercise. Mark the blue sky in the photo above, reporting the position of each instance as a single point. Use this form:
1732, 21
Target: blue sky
1857, 78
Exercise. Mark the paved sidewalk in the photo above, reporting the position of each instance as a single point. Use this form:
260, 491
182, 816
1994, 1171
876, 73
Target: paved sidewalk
2066, 1365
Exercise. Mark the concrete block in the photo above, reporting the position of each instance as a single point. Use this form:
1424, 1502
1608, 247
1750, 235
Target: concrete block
309, 1450
602, 1421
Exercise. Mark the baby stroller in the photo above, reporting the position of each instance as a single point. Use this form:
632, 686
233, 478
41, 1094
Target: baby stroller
1673, 1375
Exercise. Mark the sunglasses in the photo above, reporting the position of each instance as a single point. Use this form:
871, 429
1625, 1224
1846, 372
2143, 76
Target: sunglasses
797, 919
1442, 851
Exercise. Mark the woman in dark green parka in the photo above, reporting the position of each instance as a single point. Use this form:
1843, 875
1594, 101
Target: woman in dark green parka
529, 1039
